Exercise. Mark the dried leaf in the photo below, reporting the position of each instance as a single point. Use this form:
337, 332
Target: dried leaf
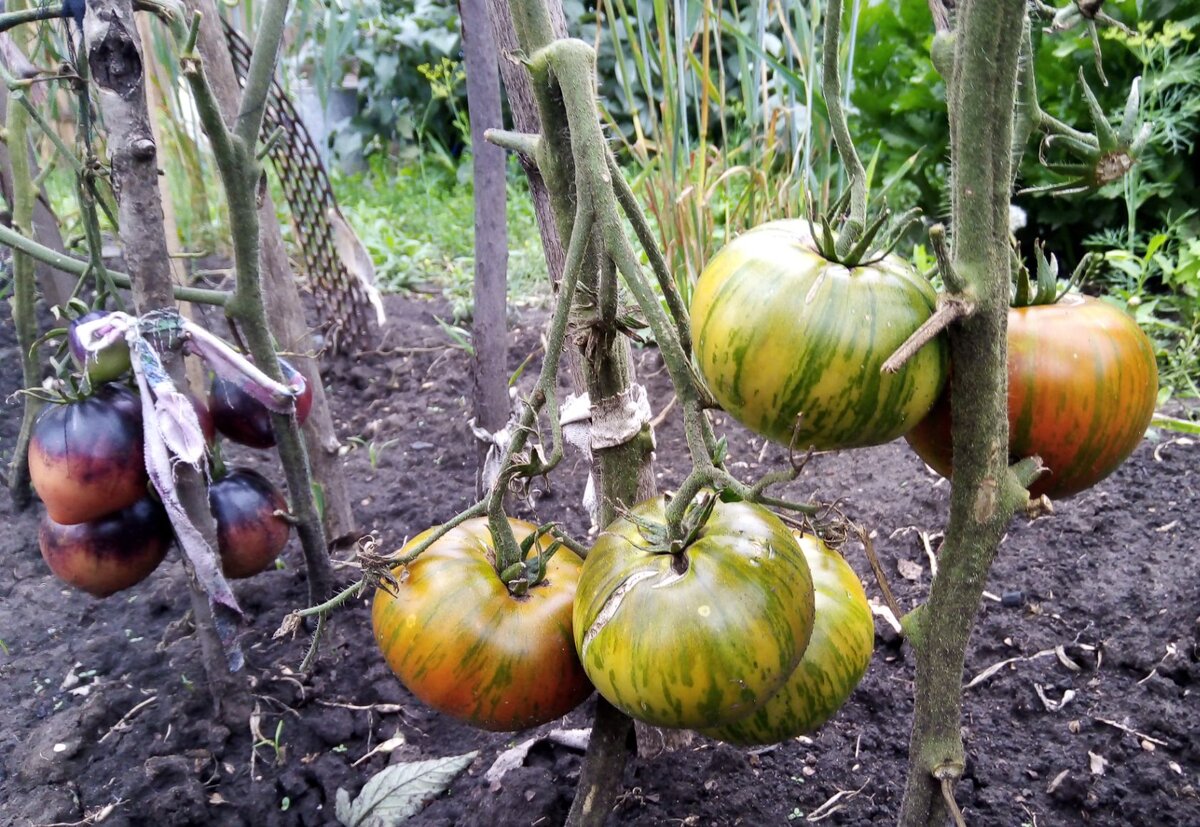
514, 757
510, 759
387, 746
1096, 763
399, 791
996, 667
1065, 660
1057, 782
1052, 705
880, 610
909, 570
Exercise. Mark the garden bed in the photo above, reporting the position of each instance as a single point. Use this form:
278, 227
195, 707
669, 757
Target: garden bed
1089, 714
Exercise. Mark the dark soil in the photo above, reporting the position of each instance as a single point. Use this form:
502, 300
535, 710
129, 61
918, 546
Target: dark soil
105, 712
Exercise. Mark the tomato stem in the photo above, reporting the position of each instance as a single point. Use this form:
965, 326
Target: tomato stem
831, 88
950, 309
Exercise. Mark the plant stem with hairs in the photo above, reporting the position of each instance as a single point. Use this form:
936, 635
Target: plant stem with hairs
69, 264
23, 301
236, 153
832, 91
985, 492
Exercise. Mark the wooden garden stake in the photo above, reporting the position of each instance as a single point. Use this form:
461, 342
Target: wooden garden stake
114, 58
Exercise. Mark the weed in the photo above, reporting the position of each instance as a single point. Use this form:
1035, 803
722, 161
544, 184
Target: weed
374, 448
418, 224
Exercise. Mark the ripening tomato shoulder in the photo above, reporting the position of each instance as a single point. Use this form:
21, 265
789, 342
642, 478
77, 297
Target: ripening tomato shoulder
836, 659
110, 553
245, 420
86, 458
249, 533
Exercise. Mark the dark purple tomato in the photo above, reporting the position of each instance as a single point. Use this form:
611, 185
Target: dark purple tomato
244, 419
249, 534
105, 366
86, 458
205, 417
111, 553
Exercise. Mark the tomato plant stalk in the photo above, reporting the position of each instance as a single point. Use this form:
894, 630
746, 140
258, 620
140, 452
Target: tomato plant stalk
985, 492
236, 151
24, 195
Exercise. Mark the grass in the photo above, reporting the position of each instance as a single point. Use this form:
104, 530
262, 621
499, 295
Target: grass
418, 224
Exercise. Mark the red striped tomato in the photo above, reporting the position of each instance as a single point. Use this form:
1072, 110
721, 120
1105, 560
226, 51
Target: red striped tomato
463, 644
1082, 385
698, 638
788, 340
837, 656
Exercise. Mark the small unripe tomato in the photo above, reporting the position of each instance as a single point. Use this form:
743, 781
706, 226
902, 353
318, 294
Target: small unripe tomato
105, 366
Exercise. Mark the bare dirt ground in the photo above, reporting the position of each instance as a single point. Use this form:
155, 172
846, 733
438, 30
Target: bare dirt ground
1092, 716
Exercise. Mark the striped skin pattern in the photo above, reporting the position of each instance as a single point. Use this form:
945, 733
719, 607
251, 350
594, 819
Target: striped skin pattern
1082, 386
781, 332
462, 644
835, 661
701, 646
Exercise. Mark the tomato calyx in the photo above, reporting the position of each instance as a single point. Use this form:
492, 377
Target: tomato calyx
678, 533
529, 572
869, 247
1042, 289
1103, 156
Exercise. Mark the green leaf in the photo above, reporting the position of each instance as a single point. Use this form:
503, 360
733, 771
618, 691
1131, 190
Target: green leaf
400, 791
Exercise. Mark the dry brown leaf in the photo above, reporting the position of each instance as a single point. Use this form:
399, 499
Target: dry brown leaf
909, 570
1057, 782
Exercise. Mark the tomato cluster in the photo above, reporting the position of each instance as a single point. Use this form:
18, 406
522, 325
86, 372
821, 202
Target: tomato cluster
744, 629
104, 529
751, 632
791, 342
755, 633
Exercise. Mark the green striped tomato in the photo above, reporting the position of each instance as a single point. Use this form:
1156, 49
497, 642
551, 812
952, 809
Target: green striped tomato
463, 644
699, 638
1082, 386
836, 658
788, 340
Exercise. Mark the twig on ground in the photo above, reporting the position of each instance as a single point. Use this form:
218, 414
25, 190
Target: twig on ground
119, 726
